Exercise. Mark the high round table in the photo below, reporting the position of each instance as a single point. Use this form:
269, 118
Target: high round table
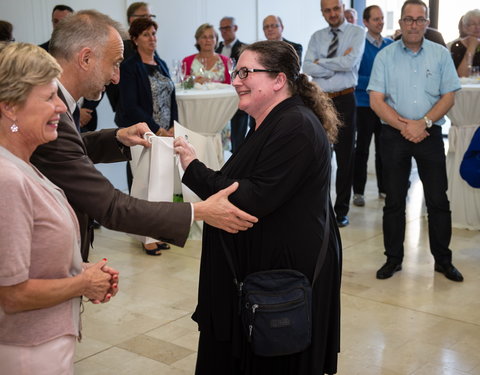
206, 111
465, 118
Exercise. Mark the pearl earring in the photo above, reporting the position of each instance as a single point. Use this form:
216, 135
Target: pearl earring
14, 128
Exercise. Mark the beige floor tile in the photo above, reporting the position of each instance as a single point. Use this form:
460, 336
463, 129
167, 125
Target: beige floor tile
89, 346
187, 363
153, 348
117, 361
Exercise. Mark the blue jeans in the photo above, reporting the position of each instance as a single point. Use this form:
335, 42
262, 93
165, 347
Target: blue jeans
429, 154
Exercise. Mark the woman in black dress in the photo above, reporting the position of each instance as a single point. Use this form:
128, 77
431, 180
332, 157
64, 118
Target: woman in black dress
283, 168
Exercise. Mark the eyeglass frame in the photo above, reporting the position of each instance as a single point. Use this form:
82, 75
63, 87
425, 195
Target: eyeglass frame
409, 21
229, 27
144, 16
271, 26
246, 71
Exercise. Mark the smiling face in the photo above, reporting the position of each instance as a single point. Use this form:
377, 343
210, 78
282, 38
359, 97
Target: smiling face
105, 68
412, 35
147, 41
375, 23
332, 11
207, 40
256, 91
37, 118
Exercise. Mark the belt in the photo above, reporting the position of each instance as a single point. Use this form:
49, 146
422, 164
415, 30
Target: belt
332, 95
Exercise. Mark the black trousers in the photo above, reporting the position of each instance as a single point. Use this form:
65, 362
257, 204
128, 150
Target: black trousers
238, 128
429, 154
344, 152
368, 124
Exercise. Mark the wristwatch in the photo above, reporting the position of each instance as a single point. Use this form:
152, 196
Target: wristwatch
428, 122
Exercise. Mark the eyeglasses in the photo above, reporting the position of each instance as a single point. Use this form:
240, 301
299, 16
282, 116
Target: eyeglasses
271, 26
144, 16
242, 73
409, 21
221, 28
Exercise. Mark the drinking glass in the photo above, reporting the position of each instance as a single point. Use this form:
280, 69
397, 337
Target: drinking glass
231, 65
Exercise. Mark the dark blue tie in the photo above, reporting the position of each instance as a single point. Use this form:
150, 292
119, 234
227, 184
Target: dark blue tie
76, 117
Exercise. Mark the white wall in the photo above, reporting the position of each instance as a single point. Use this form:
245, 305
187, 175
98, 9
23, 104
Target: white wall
177, 21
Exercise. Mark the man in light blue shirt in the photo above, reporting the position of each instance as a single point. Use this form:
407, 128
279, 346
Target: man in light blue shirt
412, 87
332, 59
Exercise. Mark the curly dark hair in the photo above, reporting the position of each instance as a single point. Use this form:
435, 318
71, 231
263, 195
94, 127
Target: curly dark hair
281, 56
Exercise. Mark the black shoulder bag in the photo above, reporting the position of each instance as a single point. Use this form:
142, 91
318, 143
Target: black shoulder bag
275, 306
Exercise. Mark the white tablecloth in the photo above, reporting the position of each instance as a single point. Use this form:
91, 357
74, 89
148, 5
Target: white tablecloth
207, 111
465, 117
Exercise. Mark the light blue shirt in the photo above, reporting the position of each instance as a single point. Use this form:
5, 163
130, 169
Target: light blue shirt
413, 82
340, 72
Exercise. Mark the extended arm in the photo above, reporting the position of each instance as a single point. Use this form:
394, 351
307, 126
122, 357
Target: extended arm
65, 163
283, 163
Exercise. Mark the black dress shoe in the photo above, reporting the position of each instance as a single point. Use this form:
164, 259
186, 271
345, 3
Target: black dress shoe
388, 269
342, 221
449, 270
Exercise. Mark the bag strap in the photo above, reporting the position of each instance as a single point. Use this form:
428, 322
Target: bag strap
321, 255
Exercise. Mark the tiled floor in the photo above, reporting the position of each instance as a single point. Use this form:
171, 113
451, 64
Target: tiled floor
416, 323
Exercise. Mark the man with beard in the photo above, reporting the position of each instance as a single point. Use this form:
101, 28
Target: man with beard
332, 59
89, 48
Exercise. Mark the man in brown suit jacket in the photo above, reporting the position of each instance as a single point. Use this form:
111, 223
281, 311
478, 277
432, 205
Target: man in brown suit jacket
89, 48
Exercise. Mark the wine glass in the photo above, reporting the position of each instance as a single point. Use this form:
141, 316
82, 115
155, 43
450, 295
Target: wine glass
231, 65
175, 71
182, 72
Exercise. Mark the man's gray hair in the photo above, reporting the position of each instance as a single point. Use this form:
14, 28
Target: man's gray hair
86, 28
231, 19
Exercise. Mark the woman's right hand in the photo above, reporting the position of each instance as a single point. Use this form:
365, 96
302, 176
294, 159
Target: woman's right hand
185, 151
471, 42
96, 283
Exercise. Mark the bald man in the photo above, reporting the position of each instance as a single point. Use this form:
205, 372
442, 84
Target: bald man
273, 30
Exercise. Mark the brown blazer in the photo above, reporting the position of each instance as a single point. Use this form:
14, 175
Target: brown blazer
69, 163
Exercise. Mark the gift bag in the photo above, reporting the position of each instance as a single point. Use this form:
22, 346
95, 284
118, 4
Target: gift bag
153, 172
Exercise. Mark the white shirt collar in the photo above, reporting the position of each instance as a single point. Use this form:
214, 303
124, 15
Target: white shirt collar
230, 45
71, 103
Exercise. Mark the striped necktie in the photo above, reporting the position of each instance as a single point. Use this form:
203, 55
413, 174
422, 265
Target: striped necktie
332, 48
